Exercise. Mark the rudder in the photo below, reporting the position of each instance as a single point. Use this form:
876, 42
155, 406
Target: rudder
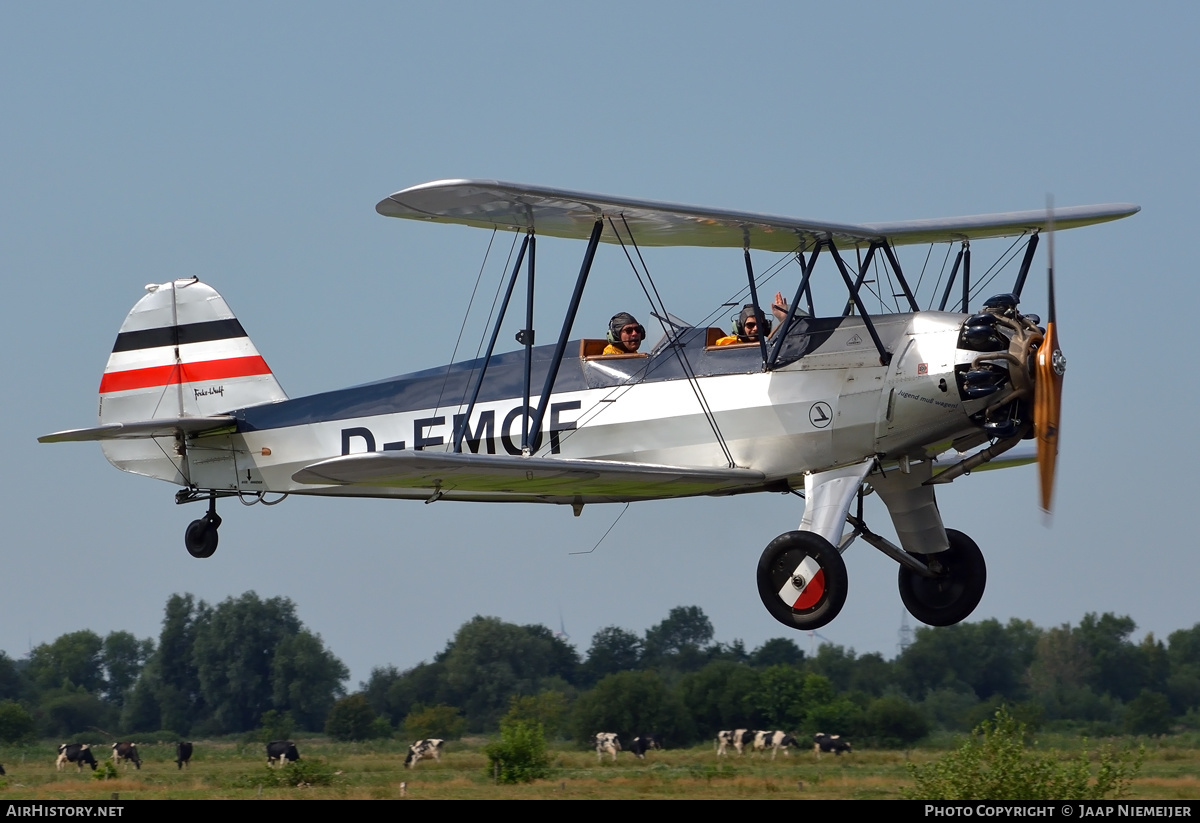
181, 352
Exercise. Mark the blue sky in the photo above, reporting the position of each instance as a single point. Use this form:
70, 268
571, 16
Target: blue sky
248, 144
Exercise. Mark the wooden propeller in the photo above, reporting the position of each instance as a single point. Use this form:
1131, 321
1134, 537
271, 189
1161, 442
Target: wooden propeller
1049, 368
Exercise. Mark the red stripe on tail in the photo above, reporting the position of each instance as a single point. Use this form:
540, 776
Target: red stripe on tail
156, 376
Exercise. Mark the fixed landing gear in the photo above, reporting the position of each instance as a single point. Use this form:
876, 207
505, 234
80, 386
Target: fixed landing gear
955, 589
201, 535
802, 580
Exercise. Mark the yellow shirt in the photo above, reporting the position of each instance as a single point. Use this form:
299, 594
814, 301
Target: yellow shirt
612, 348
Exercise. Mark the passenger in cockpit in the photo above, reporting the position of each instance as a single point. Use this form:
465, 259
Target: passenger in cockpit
745, 327
625, 334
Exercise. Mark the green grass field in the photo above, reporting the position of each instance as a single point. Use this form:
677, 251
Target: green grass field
231, 770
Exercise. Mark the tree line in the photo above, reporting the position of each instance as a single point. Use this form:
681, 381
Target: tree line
214, 670
246, 661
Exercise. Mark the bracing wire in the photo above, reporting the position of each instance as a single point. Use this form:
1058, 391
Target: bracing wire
463, 325
491, 311
673, 333
739, 297
941, 273
994, 270
496, 297
921, 276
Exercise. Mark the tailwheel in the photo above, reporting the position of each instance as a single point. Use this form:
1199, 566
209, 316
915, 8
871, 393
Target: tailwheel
201, 535
802, 580
954, 592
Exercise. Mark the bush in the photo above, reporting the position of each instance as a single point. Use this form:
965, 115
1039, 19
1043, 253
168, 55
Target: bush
300, 773
276, 725
67, 714
306, 772
434, 721
105, 771
1148, 713
995, 764
520, 754
631, 703
16, 724
351, 718
548, 708
381, 729
895, 722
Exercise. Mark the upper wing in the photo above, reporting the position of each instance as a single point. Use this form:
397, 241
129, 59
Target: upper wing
571, 214
163, 427
451, 471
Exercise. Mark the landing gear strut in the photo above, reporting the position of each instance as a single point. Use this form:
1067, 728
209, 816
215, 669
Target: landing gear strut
801, 576
201, 535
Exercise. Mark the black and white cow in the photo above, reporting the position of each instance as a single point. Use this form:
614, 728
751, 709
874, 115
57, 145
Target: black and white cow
645, 743
606, 743
830, 743
281, 751
126, 752
77, 753
724, 741
773, 741
429, 747
183, 754
743, 738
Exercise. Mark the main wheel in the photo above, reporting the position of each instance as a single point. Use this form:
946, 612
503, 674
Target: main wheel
201, 536
802, 580
951, 596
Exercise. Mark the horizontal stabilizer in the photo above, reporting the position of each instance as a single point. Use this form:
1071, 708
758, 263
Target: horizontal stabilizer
140, 429
449, 471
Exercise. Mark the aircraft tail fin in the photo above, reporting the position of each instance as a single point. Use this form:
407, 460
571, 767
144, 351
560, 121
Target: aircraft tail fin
181, 353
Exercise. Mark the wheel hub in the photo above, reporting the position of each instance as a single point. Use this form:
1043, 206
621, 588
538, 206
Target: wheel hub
802, 580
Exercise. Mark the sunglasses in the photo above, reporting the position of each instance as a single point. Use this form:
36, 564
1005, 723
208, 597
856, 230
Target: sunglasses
638, 329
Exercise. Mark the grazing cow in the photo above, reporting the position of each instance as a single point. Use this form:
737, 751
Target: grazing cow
429, 747
183, 754
279, 751
724, 741
606, 742
645, 743
743, 738
830, 743
127, 752
77, 753
773, 741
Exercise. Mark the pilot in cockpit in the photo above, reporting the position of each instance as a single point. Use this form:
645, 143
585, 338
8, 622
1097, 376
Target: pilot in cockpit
745, 326
625, 334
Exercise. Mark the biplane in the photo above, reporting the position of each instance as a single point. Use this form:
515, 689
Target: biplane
830, 407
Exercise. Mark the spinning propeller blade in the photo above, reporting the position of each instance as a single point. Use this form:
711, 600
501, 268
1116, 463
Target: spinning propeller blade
1048, 379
